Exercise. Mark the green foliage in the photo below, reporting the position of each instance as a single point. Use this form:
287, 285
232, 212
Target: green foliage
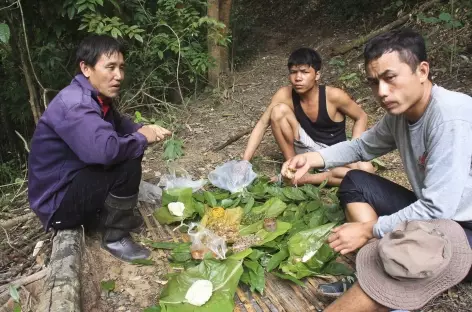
173, 149
4, 33
108, 285
444, 18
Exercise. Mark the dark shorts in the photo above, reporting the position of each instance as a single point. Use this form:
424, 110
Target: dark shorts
384, 196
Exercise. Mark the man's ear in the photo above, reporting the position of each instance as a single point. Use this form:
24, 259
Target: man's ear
85, 69
318, 76
423, 71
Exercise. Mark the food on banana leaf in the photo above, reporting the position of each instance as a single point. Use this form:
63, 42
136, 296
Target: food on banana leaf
245, 242
199, 293
223, 222
270, 224
176, 208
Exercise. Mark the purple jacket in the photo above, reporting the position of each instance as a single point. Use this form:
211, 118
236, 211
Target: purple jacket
70, 135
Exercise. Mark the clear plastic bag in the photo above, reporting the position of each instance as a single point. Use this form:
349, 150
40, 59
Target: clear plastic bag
149, 193
204, 241
180, 178
233, 175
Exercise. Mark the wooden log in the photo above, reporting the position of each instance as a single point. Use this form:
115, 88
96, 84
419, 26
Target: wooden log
61, 290
12, 222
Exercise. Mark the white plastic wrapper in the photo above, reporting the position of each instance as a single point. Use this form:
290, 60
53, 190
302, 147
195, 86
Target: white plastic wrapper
233, 175
180, 178
149, 193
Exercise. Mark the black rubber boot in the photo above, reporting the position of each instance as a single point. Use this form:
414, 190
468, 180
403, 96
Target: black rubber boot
118, 221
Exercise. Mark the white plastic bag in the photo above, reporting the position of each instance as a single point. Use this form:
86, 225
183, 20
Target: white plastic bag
233, 175
179, 178
149, 193
204, 240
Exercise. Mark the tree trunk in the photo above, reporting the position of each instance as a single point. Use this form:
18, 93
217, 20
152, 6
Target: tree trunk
213, 48
225, 14
18, 45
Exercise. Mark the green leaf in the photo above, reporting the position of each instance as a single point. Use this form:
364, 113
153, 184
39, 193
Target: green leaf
249, 205
446, 17
4, 33
143, 262
153, 309
167, 245
271, 208
277, 258
256, 275
256, 254
241, 255
294, 193
16, 307
14, 293
160, 54
290, 278
282, 228
71, 12
224, 275
311, 191
210, 199
108, 285
337, 268
181, 253
251, 228
379, 164
82, 7
183, 195
100, 2
173, 149
226, 203
139, 38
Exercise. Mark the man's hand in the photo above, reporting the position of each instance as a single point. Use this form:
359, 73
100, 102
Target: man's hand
350, 236
298, 166
160, 131
154, 133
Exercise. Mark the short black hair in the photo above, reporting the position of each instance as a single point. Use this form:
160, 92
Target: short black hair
408, 43
305, 56
94, 46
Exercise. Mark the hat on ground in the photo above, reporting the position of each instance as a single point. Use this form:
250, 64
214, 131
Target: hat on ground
412, 264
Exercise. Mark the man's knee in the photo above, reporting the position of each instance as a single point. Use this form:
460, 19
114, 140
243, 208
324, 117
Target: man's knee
280, 112
350, 190
130, 172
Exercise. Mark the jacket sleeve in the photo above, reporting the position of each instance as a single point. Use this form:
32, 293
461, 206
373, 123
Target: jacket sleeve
94, 140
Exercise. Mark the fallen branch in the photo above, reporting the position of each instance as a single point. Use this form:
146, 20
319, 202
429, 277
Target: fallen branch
11, 223
5, 292
233, 139
402, 20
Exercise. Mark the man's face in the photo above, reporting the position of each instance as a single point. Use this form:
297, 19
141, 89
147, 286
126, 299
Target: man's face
107, 74
303, 78
394, 83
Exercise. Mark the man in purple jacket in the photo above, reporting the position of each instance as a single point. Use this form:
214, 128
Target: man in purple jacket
85, 159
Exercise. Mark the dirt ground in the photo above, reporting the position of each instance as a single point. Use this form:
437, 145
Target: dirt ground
213, 117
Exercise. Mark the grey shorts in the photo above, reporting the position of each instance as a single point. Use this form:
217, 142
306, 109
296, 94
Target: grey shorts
305, 143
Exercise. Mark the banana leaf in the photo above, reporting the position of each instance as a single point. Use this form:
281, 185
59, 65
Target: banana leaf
225, 277
271, 208
308, 252
282, 228
183, 195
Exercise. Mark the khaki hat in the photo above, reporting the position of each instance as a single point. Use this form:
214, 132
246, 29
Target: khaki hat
412, 264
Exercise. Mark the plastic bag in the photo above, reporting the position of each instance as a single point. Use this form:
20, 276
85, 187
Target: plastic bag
233, 175
149, 193
204, 240
180, 178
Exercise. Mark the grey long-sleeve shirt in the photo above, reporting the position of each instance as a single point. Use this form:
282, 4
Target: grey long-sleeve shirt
436, 152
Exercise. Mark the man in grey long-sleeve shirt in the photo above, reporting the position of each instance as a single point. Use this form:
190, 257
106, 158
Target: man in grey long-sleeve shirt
432, 129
